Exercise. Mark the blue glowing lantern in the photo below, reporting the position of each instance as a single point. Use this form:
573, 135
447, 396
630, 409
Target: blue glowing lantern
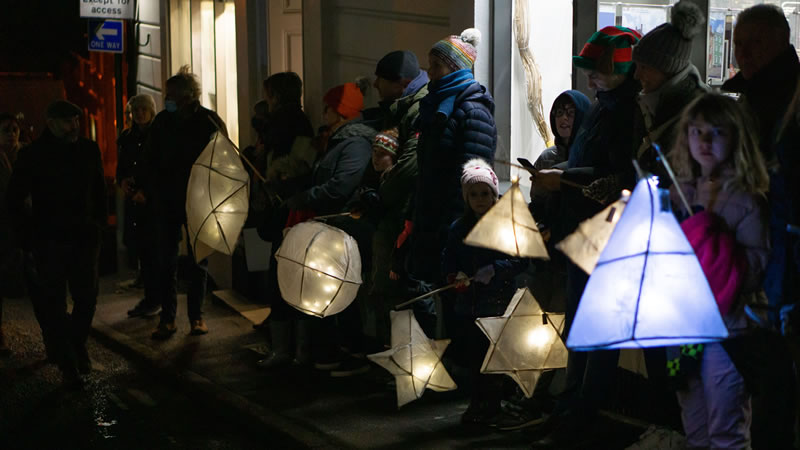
648, 289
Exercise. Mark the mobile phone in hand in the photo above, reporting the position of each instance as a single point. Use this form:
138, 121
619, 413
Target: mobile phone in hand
527, 165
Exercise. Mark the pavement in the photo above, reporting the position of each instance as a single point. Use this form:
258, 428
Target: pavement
298, 405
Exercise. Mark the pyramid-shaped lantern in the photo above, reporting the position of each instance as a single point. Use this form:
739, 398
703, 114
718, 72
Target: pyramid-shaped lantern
509, 227
648, 289
319, 268
584, 245
217, 199
525, 341
414, 359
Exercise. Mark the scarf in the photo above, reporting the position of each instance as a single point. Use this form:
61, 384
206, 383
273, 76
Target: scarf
441, 98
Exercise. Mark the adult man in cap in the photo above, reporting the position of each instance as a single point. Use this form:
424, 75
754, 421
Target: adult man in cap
768, 83
62, 172
177, 137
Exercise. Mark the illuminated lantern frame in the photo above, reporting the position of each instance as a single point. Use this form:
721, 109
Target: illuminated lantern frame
414, 359
508, 227
525, 341
648, 289
217, 199
319, 269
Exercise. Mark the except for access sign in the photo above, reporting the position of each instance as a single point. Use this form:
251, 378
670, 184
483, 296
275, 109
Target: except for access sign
107, 9
105, 36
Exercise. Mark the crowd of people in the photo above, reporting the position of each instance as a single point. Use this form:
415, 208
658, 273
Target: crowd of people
416, 173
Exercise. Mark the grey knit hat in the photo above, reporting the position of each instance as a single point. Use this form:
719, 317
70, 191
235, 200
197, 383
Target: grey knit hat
668, 47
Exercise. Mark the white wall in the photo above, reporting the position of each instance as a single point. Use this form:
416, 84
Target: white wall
149, 70
551, 43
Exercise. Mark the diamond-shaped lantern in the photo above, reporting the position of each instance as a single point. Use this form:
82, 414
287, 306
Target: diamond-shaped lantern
319, 268
414, 359
525, 341
509, 227
648, 289
217, 199
584, 245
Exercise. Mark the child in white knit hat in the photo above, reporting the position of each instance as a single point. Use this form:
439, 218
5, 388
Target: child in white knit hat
493, 284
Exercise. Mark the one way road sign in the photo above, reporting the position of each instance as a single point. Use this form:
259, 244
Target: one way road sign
105, 36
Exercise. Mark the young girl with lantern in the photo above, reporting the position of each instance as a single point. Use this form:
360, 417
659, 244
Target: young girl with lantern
492, 285
724, 179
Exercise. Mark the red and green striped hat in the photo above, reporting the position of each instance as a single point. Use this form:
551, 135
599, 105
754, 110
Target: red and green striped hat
609, 50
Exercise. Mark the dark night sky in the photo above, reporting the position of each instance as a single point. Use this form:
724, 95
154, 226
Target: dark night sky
37, 35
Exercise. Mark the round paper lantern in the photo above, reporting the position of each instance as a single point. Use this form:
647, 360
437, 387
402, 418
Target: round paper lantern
319, 268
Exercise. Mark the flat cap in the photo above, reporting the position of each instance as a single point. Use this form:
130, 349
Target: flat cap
62, 109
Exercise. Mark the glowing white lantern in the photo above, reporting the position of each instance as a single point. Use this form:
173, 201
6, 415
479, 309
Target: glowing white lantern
509, 227
525, 341
648, 289
217, 199
319, 268
414, 359
583, 247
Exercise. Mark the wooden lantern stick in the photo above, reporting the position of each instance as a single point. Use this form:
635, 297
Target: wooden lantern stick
427, 294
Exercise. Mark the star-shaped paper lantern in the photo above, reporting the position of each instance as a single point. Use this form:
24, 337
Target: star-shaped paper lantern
583, 247
648, 289
319, 268
509, 227
525, 341
217, 199
414, 359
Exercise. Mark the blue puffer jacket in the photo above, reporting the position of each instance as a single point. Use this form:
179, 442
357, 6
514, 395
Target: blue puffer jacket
444, 146
479, 300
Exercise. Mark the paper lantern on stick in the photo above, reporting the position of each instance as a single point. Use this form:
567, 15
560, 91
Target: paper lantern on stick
217, 199
525, 341
414, 359
509, 227
648, 289
319, 268
583, 247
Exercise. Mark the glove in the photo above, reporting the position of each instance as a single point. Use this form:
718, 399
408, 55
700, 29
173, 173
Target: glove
461, 281
485, 274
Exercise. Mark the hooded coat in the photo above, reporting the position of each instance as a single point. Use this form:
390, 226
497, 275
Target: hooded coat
544, 204
601, 150
338, 172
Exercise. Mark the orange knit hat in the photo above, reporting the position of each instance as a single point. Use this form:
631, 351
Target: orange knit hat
345, 99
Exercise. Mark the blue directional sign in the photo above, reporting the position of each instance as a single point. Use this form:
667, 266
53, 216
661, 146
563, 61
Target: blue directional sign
105, 36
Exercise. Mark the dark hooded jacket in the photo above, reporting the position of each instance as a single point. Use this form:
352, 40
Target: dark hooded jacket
544, 204
768, 95
601, 149
339, 170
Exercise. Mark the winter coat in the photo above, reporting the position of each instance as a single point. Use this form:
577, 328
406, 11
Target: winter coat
130, 146
172, 147
444, 146
479, 300
602, 150
745, 217
544, 205
66, 186
656, 119
768, 95
338, 172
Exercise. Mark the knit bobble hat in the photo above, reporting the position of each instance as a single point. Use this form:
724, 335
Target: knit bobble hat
478, 171
668, 47
398, 65
458, 52
346, 99
387, 140
608, 51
